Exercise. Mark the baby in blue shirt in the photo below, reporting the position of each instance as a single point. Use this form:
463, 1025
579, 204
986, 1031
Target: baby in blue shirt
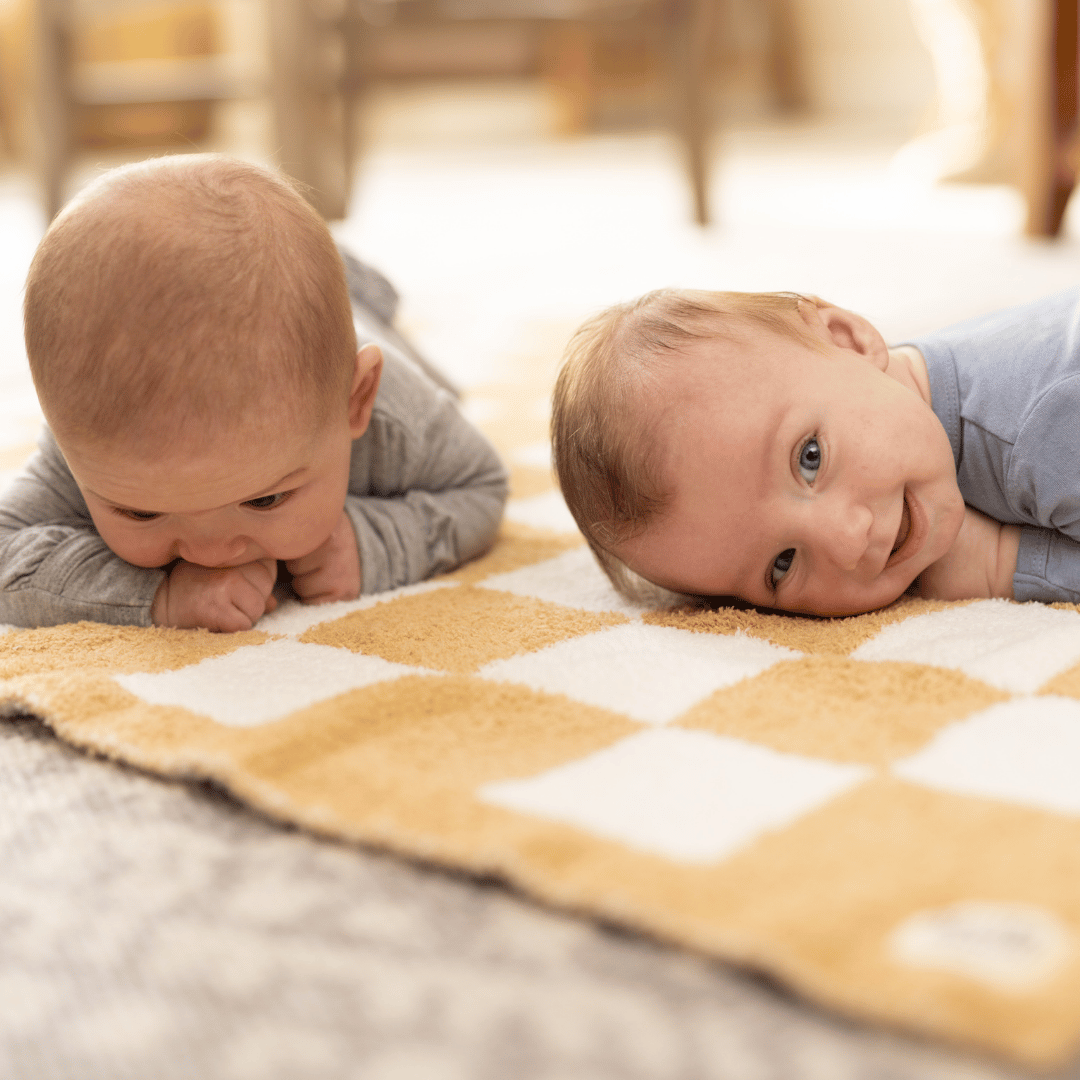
774, 449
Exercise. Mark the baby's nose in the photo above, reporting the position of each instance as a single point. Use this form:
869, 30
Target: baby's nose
211, 550
848, 535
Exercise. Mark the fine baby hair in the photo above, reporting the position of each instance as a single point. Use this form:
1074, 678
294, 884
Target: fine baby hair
604, 438
176, 292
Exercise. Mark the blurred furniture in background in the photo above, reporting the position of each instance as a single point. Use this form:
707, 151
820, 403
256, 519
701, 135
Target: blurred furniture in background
1049, 133
320, 83
122, 73
148, 74
1006, 74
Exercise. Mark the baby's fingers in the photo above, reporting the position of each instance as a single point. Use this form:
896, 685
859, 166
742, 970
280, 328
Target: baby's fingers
242, 606
251, 592
306, 564
315, 587
261, 574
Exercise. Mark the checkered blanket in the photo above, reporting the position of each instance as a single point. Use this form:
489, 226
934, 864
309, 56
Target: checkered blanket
881, 811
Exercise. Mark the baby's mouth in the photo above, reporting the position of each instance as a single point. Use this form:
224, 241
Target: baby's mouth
904, 530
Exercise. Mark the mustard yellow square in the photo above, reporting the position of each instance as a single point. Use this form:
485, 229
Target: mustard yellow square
457, 629
842, 710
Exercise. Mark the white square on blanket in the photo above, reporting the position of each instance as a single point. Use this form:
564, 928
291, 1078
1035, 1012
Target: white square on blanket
649, 673
686, 795
573, 579
547, 511
1025, 751
1015, 647
257, 684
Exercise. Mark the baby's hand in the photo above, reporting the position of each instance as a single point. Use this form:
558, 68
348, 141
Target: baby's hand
226, 598
980, 563
331, 571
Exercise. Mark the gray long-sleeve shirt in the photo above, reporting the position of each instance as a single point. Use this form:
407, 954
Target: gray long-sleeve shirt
426, 491
1006, 387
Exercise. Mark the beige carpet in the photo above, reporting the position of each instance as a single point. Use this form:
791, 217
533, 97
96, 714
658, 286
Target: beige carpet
882, 812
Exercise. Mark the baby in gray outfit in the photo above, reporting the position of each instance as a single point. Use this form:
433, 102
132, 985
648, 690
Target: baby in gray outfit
212, 421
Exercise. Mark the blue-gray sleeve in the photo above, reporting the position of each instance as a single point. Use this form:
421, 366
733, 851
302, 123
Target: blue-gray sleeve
1041, 478
426, 489
1047, 567
54, 567
1041, 474
1006, 387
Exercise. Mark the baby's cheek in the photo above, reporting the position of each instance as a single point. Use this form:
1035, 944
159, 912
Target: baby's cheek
304, 533
137, 550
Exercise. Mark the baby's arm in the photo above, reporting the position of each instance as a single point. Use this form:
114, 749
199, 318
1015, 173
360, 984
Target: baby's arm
980, 563
427, 489
54, 567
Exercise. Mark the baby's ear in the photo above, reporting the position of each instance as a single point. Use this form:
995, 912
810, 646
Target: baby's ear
365, 386
847, 330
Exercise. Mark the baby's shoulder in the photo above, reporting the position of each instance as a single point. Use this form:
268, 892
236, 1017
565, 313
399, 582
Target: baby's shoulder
406, 395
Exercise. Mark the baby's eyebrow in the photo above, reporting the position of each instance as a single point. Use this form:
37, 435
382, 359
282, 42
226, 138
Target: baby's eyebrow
277, 485
118, 506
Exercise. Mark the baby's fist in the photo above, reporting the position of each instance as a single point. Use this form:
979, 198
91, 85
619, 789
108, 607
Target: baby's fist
332, 570
217, 598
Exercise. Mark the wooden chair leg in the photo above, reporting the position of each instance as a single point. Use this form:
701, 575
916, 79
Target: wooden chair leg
353, 85
691, 32
52, 102
567, 65
307, 107
784, 57
1049, 113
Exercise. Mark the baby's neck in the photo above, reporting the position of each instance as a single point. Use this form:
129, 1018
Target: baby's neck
907, 366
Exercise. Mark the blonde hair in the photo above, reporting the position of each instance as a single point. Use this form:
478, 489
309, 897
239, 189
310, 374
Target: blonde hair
171, 295
605, 446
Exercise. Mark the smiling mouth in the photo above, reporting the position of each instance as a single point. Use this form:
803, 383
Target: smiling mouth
912, 533
905, 529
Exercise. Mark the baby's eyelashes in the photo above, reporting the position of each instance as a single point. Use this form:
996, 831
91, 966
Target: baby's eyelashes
268, 502
780, 566
263, 502
810, 459
135, 515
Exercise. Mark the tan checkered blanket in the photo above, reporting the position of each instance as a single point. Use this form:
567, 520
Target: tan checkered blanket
883, 812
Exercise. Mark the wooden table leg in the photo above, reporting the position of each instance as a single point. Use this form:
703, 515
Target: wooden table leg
1049, 113
52, 102
307, 105
691, 34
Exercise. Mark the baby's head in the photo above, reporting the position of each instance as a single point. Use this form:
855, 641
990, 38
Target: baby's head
766, 446
191, 340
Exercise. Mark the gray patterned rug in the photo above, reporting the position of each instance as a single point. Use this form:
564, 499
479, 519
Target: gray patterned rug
157, 931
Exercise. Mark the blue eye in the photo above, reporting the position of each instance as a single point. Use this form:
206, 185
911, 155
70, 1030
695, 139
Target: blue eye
781, 565
810, 460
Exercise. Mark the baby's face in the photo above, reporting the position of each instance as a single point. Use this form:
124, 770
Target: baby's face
233, 501
234, 497
808, 481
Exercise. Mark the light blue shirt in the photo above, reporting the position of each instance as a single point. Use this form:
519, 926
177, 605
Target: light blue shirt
1006, 387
